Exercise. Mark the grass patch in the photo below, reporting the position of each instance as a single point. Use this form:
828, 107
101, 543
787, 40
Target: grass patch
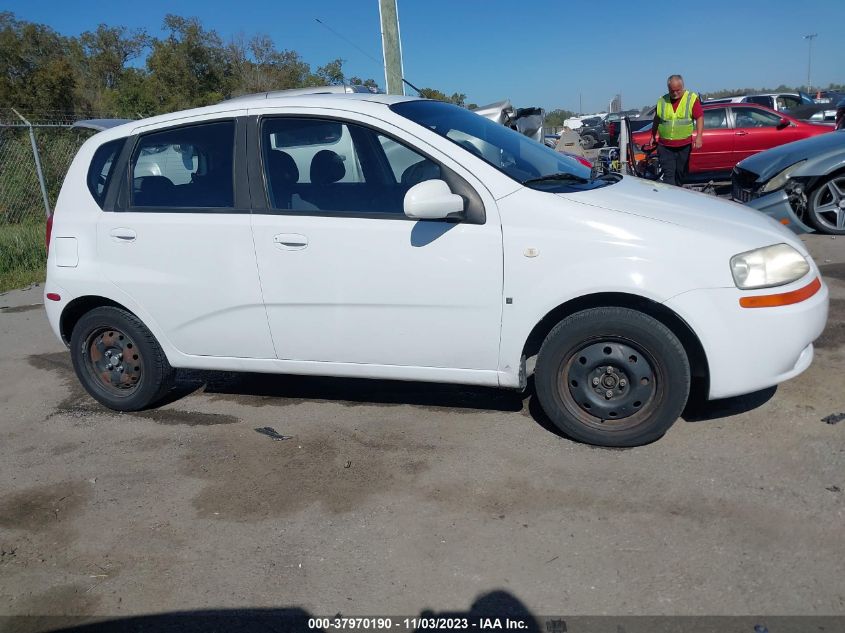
23, 255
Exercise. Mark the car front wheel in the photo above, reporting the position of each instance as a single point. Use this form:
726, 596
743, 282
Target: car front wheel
827, 206
612, 377
118, 360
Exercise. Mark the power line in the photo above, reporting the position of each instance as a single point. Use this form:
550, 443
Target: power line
348, 41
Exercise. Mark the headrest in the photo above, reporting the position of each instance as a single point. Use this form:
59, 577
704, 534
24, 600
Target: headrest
326, 167
282, 166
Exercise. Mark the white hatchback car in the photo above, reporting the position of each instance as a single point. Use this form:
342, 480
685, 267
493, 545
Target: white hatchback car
388, 237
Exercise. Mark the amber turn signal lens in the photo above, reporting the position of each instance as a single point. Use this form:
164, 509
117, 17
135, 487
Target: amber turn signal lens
783, 298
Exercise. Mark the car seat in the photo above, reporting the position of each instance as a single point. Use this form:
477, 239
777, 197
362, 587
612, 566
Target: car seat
744, 120
420, 172
154, 191
282, 175
327, 168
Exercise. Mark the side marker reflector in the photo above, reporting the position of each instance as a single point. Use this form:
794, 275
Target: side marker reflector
783, 298
52, 296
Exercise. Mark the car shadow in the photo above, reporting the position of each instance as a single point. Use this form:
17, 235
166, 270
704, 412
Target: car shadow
498, 609
287, 388
424, 232
345, 390
700, 410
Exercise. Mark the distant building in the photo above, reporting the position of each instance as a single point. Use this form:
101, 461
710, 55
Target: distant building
616, 104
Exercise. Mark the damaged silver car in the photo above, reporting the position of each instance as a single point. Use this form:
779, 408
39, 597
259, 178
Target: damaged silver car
800, 184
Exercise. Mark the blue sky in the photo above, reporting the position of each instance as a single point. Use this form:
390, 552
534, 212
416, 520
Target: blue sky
542, 53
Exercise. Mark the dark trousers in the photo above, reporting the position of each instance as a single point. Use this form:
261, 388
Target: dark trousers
674, 161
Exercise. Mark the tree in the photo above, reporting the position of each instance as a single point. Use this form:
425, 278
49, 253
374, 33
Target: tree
332, 73
257, 66
190, 67
458, 98
102, 57
555, 118
369, 83
37, 74
108, 50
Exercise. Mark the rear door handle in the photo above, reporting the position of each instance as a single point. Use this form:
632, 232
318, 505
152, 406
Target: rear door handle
290, 241
741, 133
123, 234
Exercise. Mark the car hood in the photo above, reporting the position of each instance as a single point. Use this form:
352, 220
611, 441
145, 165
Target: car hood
767, 164
703, 213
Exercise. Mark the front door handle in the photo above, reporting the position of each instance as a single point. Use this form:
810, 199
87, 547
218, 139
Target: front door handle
123, 234
741, 133
290, 241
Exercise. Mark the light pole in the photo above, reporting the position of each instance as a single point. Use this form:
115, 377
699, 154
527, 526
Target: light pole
810, 39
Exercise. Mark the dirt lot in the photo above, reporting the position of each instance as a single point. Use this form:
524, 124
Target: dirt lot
396, 498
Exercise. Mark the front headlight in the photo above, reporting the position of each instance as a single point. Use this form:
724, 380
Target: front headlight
780, 179
766, 267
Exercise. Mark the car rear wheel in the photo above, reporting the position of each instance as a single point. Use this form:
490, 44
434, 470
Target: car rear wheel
612, 377
118, 360
827, 206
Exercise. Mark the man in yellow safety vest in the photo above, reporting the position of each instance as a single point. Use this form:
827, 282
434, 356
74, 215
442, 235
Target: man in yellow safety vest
673, 121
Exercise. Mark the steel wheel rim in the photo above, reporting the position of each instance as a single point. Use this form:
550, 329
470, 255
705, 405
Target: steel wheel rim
113, 361
829, 204
610, 384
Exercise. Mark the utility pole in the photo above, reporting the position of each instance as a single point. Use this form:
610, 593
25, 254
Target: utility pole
810, 39
391, 45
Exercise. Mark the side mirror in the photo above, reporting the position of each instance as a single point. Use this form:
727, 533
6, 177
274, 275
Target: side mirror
784, 123
432, 200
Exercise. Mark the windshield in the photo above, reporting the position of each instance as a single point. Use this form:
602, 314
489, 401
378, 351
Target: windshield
523, 159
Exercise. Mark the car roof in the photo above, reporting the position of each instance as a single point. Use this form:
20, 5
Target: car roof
738, 104
312, 90
363, 101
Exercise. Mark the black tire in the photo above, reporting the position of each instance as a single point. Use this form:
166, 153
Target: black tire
118, 360
589, 141
825, 212
612, 377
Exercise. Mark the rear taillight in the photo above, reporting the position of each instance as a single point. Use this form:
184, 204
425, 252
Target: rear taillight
584, 161
49, 230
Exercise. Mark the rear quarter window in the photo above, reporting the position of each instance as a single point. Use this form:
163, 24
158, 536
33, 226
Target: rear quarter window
101, 169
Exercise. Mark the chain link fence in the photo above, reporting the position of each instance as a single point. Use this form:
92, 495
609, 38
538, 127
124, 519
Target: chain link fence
36, 150
56, 142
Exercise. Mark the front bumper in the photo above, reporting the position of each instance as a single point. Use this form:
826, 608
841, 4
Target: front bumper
776, 205
749, 349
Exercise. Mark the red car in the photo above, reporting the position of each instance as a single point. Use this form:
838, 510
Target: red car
733, 131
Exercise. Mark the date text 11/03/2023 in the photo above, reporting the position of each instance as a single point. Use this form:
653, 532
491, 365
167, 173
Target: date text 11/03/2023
415, 624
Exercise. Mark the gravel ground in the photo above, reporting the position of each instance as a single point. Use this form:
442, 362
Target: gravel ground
398, 498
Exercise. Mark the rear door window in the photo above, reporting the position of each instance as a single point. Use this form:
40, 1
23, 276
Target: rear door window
185, 167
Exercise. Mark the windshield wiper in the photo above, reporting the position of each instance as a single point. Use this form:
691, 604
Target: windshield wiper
561, 176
